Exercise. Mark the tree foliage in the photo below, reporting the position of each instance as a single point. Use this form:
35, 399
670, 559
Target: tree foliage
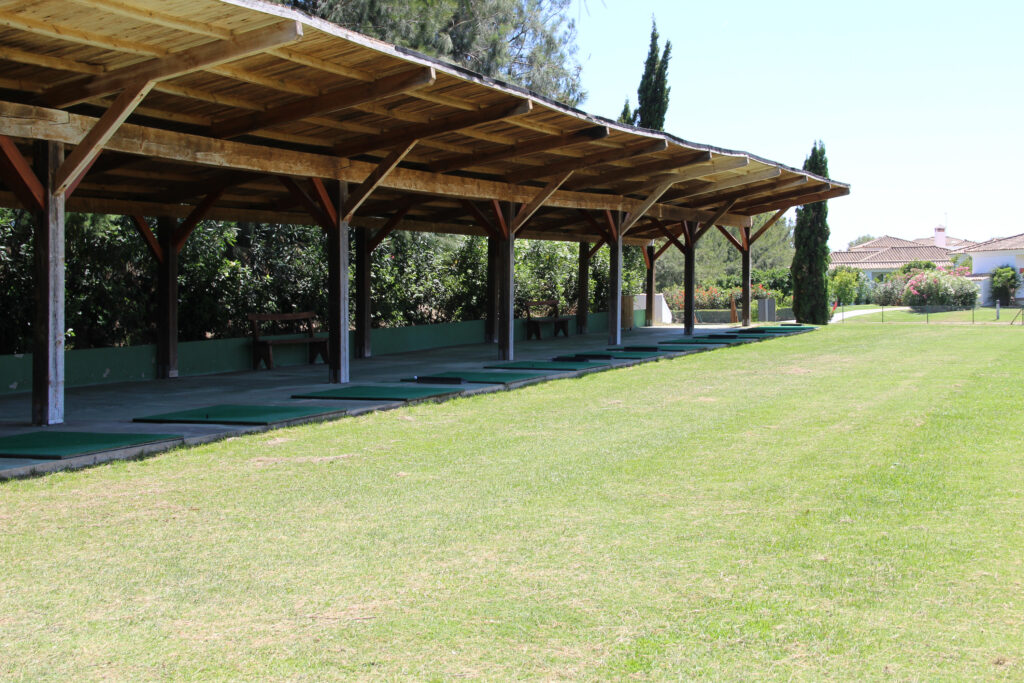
860, 240
653, 93
1005, 282
526, 42
810, 259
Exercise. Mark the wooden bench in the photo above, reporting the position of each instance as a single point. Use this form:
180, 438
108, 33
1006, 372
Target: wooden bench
263, 349
533, 324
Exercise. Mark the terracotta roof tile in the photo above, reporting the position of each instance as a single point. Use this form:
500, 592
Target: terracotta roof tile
999, 244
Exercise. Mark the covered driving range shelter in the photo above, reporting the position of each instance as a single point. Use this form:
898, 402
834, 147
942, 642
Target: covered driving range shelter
172, 111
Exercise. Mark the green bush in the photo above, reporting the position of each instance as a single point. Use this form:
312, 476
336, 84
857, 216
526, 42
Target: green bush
1005, 281
939, 288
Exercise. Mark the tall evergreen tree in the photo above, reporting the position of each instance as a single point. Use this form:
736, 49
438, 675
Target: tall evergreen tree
810, 261
653, 93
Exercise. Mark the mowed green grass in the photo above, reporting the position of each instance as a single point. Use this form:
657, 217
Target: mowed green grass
981, 315
842, 504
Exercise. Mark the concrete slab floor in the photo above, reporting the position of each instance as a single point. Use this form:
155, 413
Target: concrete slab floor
111, 407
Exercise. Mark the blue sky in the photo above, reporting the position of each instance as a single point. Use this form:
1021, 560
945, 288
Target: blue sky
920, 105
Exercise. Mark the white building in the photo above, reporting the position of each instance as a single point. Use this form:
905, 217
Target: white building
995, 253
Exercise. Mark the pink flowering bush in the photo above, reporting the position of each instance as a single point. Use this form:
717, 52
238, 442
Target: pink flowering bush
939, 288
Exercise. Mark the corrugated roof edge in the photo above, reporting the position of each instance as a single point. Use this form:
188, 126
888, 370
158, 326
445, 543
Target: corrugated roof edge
456, 70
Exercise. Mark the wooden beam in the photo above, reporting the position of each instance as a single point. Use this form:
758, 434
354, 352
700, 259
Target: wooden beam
343, 98
18, 175
672, 237
192, 220
323, 198
531, 207
499, 216
311, 205
481, 218
165, 68
142, 226
713, 220
638, 213
78, 162
764, 228
748, 192
691, 172
729, 236
634, 170
18, 120
543, 144
602, 230
398, 136
388, 227
374, 179
795, 199
603, 157
747, 179
597, 246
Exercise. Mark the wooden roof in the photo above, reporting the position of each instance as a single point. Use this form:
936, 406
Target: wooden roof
222, 99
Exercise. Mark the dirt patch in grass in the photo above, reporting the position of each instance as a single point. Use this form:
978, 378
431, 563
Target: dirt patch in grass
263, 460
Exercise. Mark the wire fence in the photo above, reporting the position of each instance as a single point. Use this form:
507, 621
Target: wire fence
929, 315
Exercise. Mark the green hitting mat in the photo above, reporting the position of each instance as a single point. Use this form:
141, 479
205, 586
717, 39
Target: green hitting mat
497, 377
626, 354
701, 340
237, 415
392, 392
558, 365
46, 445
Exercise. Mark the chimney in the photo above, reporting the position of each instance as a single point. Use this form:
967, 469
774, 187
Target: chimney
940, 236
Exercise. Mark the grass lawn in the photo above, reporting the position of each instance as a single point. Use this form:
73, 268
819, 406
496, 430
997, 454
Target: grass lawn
985, 315
841, 504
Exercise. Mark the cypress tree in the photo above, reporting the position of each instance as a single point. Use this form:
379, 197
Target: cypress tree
810, 261
653, 93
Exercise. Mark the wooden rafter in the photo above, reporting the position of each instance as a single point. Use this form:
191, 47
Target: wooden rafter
543, 144
764, 228
499, 219
142, 226
160, 69
597, 246
389, 227
448, 124
374, 179
796, 198
640, 169
323, 200
673, 238
481, 218
531, 207
311, 205
728, 183
638, 213
596, 224
336, 100
603, 157
694, 171
717, 216
18, 175
78, 162
20, 120
749, 192
729, 236
192, 220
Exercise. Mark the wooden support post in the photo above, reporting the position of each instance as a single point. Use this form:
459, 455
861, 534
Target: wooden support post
167, 301
689, 276
506, 290
48, 328
649, 287
615, 285
745, 284
583, 289
362, 337
337, 291
491, 314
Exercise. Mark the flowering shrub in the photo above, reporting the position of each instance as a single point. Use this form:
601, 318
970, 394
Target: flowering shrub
939, 288
889, 292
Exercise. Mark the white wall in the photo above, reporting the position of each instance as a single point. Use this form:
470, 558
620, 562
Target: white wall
662, 314
987, 261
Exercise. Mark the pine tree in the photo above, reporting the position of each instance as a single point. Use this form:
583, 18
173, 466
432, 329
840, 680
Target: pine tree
653, 93
810, 261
